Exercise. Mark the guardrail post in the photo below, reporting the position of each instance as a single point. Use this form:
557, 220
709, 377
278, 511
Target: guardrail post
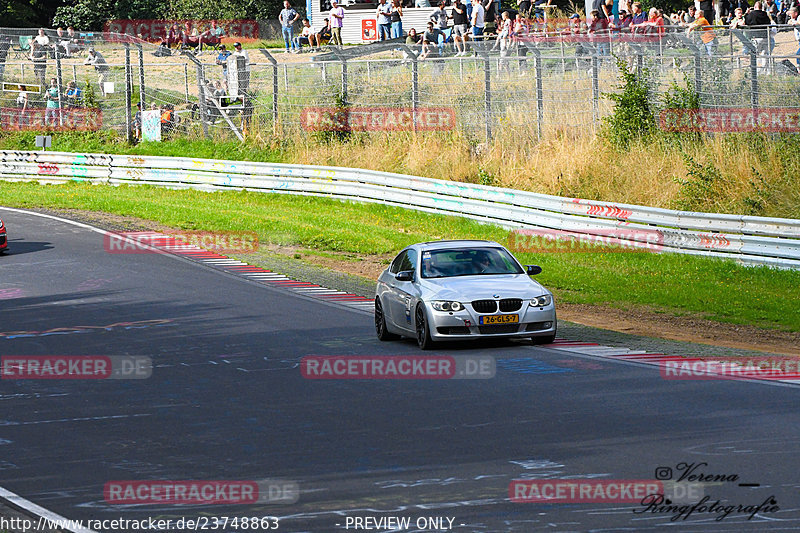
128, 94
142, 96
595, 88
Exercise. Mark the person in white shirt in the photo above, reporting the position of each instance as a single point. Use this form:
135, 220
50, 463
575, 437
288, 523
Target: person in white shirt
42, 39
478, 20
383, 16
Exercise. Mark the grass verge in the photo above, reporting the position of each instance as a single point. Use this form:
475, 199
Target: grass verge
682, 285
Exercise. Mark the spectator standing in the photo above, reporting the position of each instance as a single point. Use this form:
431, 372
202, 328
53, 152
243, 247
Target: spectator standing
794, 21
287, 17
97, 60
74, 95
490, 15
758, 21
22, 105
706, 34
52, 112
38, 55
222, 59
478, 20
460, 27
772, 10
396, 16
439, 17
42, 39
596, 28
383, 15
504, 39
638, 16
738, 19
337, 21
690, 16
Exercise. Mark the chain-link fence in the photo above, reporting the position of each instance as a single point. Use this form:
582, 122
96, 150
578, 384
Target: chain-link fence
528, 87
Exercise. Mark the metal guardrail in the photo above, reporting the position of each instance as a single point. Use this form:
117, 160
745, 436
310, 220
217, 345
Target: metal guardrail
749, 239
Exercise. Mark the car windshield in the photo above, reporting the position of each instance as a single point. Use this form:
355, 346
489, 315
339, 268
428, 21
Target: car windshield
468, 262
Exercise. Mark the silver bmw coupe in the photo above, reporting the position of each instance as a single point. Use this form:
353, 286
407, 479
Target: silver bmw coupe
456, 290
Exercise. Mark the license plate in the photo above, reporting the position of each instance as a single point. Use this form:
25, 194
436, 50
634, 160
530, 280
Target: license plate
498, 319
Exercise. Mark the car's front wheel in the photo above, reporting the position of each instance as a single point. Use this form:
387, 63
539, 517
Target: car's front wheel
423, 329
380, 323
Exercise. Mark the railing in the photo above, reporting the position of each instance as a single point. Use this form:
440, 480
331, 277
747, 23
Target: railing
756, 240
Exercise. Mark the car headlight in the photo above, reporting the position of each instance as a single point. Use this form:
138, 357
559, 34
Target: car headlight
541, 301
447, 305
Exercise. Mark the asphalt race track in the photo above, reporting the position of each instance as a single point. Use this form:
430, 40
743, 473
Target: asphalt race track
227, 401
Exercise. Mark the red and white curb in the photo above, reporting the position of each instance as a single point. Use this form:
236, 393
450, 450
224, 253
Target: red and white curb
662, 360
170, 244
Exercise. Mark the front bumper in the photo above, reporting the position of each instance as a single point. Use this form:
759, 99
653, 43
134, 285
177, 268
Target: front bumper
464, 324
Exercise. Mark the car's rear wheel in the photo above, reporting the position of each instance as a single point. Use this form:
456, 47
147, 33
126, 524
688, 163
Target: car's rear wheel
423, 330
380, 323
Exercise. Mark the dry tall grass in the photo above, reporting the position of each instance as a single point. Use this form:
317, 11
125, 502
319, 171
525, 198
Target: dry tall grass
572, 164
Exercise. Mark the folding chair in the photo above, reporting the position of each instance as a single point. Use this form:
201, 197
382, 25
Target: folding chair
24, 46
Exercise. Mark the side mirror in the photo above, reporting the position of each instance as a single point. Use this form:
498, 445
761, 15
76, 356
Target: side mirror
405, 275
532, 270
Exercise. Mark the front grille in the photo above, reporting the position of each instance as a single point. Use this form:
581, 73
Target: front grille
484, 306
510, 304
453, 330
498, 328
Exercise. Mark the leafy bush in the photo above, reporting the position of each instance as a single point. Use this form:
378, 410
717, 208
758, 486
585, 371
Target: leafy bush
632, 116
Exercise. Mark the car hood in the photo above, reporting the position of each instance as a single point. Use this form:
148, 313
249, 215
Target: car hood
467, 288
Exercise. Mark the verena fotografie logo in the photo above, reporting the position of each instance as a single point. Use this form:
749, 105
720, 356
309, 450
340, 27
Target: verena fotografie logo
544, 240
75, 367
145, 242
378, 119
731, 368
194, 492
582, 490
397, 367
731, 120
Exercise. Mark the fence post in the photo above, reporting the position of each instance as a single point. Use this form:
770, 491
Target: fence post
75, 74
537, 61
344, 80
487, 75
698, 74
128, 91
414, 88
595, 88
60, 85
186, 81
753, 79
274, 64
142, 98
285, 78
